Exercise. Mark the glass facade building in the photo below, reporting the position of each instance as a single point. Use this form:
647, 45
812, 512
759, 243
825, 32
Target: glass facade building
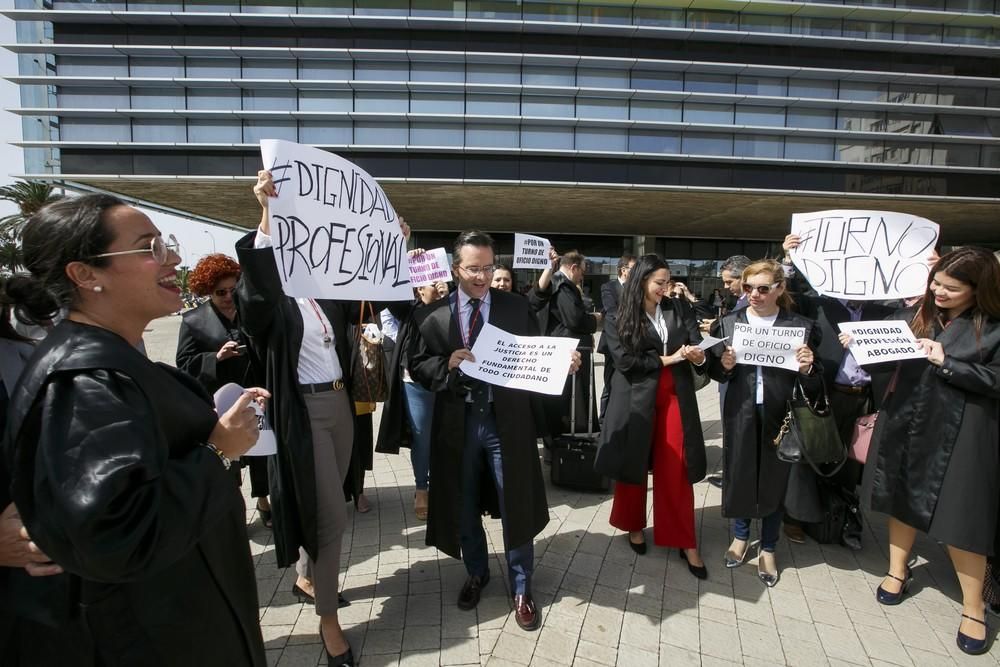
670, 119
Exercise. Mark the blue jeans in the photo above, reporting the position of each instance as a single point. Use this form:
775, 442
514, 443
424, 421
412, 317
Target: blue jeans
420, 413
482, 447
770, 530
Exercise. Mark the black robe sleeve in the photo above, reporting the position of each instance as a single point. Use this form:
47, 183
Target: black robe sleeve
572, 313
193, 360
632, 365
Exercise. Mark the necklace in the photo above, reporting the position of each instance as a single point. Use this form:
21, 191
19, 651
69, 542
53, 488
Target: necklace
327, 338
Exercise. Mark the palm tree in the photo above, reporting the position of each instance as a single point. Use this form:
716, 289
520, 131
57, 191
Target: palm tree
29, 196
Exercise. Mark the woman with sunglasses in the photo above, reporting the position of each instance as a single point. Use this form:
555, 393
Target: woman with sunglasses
119, 465
753, 409
212, 349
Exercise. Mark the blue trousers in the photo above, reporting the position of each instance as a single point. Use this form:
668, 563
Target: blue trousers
420, 413
770, 530
482, 448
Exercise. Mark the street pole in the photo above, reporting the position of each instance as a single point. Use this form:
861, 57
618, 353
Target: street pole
211, 236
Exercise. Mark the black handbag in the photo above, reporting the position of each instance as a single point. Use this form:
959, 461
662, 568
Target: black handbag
809, 433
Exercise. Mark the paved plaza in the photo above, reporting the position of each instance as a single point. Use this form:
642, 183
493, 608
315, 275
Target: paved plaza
601, 604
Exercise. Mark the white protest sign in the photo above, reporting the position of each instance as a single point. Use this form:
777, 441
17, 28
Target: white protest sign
267, 444
531, 252
864, 255
767, 345
336, 236
875, 342
429, 268
532, 363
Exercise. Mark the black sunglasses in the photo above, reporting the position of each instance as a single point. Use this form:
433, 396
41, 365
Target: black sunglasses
225, 291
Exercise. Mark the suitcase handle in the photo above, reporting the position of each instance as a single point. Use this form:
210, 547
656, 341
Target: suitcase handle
590, 402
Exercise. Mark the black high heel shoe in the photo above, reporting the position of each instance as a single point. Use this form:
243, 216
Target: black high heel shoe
638, 547
892, 599
973, 646
309, 599
699, 571
345, 659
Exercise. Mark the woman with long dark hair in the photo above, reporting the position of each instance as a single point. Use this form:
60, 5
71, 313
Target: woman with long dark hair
934, 463
652, 413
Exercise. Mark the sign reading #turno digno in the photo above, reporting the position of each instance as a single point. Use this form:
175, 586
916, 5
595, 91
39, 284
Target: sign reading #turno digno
864, 255
335, 234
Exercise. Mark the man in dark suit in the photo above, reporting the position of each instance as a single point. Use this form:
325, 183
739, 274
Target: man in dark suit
480, 431
611, 293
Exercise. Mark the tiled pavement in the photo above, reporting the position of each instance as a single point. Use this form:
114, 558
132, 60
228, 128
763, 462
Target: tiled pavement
601, 604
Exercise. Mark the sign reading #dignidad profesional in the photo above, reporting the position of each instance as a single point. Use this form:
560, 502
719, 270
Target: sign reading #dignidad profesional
336, 236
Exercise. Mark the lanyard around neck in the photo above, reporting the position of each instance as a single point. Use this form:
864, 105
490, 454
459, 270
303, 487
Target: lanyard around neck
322, 322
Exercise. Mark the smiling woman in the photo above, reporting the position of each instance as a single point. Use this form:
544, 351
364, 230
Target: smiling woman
128, 493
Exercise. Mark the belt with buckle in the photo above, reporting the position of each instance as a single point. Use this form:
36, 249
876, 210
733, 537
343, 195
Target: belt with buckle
320, 387
850, 389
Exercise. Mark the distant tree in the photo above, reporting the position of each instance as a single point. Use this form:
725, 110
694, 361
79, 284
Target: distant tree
28, 196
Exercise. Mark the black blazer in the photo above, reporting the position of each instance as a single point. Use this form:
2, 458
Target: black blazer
611, 294
203, 332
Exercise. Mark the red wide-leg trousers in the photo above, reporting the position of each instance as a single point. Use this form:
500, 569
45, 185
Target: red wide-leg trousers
673, 496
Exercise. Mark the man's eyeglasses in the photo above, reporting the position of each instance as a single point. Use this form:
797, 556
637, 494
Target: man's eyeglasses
225, 291
479, 270
761, 289
159, 248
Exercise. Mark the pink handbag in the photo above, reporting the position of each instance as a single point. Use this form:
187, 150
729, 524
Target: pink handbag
861, 437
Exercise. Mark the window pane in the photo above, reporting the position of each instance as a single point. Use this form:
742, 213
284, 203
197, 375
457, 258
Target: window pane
748, 145
492, 136
92, 65
716, 114
601, 78
911, 93
95, 98
439, 72
861, 121
764, 23
338, 133
962, 97
443, 8
747, 114
213, 68
334, 70
156, 67
493, 9
159, 129
909, 153
918, 32
326, 100
214, 131
853, 150
158, 98
990, 157
864, 91
536, 105
382, 7
548, 11
435, 134
381, 102
656, 80
712, 20
703, 143
808, 149
642, 141
607, 15
601, 139
216, 99
956, 155
969, 126
868, 29
759, 85
440, 103
710, 83
256, 130
261, 68
966, 35
816, 26
592, 107
662, 112
269, 100
815, 88
547, 137
381, 71
381, 134
94, 129
819, 119
492, 105
910, 123
549, 76
490, 73
670, 18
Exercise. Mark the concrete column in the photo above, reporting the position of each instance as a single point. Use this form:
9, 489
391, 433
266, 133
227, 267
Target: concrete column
643, 245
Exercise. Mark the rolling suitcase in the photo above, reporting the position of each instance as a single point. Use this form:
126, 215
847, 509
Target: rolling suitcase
573, 453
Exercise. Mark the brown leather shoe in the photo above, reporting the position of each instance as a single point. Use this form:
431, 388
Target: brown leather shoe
794, 533
526, 613
468, 598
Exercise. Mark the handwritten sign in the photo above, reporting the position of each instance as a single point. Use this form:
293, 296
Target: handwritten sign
532, 363
531, 252
336, 236
875, 342
864, 255
767, 346
267, 444
429, 268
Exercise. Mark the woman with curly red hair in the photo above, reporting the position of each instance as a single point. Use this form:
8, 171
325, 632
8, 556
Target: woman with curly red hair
211, 348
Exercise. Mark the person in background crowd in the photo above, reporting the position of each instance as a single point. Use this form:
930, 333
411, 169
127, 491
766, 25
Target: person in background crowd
503, 279
479, 428
307, 352
652, 418
418, 403
753, 409
611, 293
933, 463
678, 290
716, 302
212, 350
362, 451
119, 465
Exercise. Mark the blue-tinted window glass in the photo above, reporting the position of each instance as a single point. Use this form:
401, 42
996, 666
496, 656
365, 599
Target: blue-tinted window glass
440, 103
492, 73
646, 141
621, 15
256, 130
94, 129
211, 5
816, 88
589, 77
868, 29
156, 67
808, 149
94, 98
712, 20
747, 114
659, 112
381, 134
594, 107
269, 68
492, 105
715, 114
214, 68
864, 91
818, 119
760, 85
269, 100
158, 98
382, 7
493, 9
381, 101
215, 99
601, 139
550, 137
657, 80
664, 18
202, 131
535, 75
492, 136
322, 70
749, 145
438, 72
336, 133
820, 27
537, 105
705, 143
966, 35
962, 97
764, 23
326, 100
91, 65
381, 71
709, 83
854, 150
436, 134
159, 130
917, 32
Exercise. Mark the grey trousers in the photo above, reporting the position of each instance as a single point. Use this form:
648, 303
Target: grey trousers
331, 422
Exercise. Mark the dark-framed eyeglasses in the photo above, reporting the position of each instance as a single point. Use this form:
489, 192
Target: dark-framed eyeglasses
224, 291
761, 289
159, 248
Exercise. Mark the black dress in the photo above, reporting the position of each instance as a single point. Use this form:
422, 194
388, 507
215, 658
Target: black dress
103, 447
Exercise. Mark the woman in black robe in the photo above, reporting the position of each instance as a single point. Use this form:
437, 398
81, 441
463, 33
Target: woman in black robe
119, 465
934, 464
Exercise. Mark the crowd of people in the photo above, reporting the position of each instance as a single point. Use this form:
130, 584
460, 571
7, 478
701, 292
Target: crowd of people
123, 537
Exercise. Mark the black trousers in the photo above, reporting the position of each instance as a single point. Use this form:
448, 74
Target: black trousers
257, 465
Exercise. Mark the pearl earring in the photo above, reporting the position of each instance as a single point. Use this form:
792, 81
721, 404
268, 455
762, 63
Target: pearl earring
98, 288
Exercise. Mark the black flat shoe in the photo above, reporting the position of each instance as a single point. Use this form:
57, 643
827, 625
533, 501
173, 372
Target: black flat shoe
265, 517
639, 548
699, 571
345, 659
302, 595
973, 646
892, 599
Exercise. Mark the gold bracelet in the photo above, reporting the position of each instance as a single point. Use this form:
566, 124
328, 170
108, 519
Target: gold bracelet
226, 462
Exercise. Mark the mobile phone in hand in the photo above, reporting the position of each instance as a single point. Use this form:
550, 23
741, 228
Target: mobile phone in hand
240, 349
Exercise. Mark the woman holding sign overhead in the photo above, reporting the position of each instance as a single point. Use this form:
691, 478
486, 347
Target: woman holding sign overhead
936, 466
752, 413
